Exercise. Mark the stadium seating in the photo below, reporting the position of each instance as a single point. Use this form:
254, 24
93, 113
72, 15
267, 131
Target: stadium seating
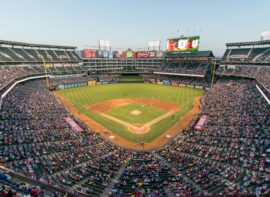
22, 55
193, 81
144, 174
252, 55
186, 68
261, 73
230, 155
10, 73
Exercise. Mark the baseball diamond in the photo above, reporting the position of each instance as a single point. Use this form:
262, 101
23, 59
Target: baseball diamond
110, 107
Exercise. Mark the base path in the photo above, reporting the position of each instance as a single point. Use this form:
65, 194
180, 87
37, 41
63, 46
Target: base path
135, 128
110, 104
156, 143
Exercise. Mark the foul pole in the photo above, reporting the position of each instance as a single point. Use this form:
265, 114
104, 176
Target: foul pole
213, 72
46, 73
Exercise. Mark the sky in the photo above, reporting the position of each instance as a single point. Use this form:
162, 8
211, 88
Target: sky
132, 23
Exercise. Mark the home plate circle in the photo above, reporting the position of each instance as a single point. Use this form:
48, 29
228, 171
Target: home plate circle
139, 128
135, 112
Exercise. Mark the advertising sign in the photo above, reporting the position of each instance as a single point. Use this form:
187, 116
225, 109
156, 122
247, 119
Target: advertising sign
91, 83
89, 53
152, 54
142, 54
184, 44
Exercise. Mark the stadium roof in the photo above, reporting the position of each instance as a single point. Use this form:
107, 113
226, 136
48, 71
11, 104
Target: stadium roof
238, 44
13, 43
199, 54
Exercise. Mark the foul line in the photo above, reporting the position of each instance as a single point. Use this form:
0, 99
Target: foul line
148, 124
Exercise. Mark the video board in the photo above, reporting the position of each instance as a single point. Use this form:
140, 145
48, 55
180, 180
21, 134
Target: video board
183, 44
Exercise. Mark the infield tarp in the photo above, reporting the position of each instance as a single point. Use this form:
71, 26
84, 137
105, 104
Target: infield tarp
201, 123
75, 127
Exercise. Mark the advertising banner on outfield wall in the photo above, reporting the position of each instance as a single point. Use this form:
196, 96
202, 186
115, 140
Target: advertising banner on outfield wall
100, 54
128, 54
104, 44
190, 86
104, 54
166, 83
90, 53
91, 83
142, 54
154, 44
110, 54
174, 83
159, 54
199, 87
146, 54
116, 54
75, 85
152, 54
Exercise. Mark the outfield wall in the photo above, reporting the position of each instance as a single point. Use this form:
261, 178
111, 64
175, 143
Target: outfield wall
93, 83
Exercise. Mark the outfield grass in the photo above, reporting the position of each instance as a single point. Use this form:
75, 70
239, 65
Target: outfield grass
83, 97
130, 79
148, 113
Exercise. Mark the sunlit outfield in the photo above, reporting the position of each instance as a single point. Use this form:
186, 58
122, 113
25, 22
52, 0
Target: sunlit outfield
83, 97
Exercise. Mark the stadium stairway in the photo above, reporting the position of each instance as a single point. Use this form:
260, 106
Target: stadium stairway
195, 185
114, 181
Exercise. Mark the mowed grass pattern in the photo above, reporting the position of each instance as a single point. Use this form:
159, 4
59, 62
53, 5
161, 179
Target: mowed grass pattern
148, 113
83, 97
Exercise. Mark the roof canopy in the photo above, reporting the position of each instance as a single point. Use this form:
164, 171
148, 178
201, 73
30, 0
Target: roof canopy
23, 44
252, 43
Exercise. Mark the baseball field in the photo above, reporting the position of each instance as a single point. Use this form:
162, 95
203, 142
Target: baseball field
130, 114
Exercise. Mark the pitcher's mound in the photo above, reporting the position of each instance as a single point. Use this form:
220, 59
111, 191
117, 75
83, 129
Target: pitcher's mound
135, 112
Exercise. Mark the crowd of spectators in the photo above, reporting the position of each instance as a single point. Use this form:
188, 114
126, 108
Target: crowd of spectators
143, 175
260, 73
37, 141
230, 155
11, 187
196, 81
186, 68
7, 74
10, 73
